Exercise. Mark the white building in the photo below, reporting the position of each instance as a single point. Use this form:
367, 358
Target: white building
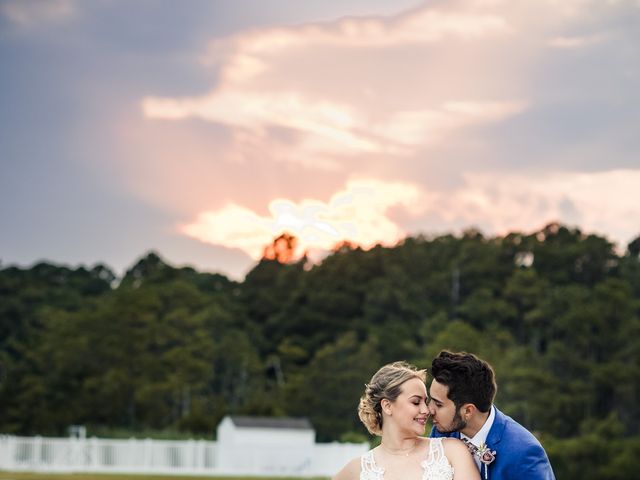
265, 445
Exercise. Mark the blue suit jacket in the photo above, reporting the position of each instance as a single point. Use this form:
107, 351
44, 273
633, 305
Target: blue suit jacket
519, 455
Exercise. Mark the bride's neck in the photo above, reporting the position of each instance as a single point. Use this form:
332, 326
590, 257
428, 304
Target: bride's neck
395, 441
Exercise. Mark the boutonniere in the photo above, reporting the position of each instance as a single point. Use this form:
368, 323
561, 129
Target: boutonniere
485, 454
482, 453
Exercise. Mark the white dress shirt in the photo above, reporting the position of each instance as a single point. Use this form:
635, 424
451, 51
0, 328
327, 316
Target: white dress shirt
481, 437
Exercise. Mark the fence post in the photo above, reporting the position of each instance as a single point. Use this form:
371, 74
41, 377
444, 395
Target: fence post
190, 454
35, 447
200, 455
4, 452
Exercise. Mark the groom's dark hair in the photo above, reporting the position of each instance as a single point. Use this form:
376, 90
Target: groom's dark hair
469, 378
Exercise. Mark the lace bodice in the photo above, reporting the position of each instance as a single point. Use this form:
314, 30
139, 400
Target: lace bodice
434, 467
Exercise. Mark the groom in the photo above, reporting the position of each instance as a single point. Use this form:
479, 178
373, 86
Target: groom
461, 405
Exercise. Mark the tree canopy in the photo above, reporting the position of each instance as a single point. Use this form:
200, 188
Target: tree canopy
556, 312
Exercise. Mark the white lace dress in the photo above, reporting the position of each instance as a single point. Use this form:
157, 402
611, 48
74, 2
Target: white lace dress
434, 467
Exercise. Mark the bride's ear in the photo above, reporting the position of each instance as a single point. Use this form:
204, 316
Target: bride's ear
385, 403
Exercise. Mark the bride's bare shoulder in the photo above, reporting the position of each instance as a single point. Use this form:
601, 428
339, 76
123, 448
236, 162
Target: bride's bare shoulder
452, 441
351, 471
454, 445
460, 459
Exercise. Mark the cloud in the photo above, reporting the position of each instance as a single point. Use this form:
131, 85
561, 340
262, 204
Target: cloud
34, 12
603, 202
575, 42
502, 114
464, 103
244, 53
331, 121
358, 214
263, 84
341, 128
364, 211
387, 86
420, 127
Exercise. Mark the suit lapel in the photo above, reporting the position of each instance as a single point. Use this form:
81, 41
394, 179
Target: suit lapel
497, 429
493, 439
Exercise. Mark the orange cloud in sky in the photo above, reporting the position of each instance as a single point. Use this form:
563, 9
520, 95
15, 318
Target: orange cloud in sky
332, 128
243, 54
503, 202
443, 108
358, 214
420, 127
326, 119
233, 128
266, 82
495, 202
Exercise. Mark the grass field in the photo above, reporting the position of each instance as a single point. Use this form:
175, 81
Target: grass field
96, 476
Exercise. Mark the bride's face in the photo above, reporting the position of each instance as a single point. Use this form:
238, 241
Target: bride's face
409, 411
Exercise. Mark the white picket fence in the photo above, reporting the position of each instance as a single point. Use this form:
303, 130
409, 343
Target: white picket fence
190, 457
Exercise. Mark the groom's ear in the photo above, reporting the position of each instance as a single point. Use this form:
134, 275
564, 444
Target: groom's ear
467, 411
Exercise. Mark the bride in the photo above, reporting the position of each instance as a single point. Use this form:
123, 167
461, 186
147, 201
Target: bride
394, 406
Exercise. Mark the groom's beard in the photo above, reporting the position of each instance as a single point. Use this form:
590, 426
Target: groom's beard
456, 425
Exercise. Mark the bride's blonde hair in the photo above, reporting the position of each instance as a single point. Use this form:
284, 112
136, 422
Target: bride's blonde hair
385, 383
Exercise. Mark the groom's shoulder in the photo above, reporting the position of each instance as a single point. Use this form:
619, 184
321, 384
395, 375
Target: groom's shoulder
514, 430
436, 434
522, 448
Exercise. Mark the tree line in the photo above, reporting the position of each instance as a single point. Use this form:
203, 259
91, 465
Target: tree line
556, 312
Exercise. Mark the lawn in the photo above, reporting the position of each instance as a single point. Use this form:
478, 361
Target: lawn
97, 476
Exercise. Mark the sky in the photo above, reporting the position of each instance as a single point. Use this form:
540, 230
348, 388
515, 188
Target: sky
203, 129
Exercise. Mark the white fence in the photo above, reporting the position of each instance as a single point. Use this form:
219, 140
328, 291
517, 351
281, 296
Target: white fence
191, 457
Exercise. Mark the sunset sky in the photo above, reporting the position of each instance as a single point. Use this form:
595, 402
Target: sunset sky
202, 129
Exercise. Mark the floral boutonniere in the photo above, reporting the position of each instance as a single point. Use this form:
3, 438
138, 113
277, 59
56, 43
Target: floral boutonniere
482, 453
486, 456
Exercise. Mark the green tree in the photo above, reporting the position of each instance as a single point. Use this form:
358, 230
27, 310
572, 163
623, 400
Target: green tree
328, 390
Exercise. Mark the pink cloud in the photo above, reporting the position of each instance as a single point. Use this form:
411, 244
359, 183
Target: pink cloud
27, 13
358, 214
403, 100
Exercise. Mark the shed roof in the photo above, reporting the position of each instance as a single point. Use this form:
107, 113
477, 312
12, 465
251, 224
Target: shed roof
271, 422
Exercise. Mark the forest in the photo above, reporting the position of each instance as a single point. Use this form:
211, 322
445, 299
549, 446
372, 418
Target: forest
171, 349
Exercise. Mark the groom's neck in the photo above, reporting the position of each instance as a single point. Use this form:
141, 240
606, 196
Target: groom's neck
475, 423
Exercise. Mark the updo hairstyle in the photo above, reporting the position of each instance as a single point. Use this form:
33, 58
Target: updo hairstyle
385, 383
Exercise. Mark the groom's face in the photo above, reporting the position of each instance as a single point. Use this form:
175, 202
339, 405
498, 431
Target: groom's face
444, 415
